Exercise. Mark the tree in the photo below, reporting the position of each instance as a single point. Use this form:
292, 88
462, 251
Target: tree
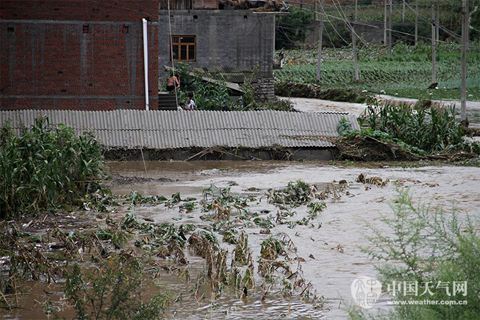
292, 28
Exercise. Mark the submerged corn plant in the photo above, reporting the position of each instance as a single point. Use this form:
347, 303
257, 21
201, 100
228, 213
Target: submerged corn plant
295, 194
242, 251
136, 198
222, 202
271, 248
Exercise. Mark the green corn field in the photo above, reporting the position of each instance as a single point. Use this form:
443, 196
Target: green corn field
407, 72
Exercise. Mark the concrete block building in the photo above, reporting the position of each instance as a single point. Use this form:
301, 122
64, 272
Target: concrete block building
229, 41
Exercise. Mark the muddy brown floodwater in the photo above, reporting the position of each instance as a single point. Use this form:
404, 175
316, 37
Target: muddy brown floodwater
331, 249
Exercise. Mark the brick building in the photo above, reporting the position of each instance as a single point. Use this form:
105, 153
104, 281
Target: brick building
88, 54
77, 54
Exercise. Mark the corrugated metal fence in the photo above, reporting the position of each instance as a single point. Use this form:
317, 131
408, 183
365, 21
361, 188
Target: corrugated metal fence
183, 129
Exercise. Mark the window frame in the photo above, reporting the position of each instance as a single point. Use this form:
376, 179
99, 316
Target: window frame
177, 44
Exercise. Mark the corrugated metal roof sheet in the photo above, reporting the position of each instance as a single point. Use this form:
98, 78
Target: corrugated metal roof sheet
184, 129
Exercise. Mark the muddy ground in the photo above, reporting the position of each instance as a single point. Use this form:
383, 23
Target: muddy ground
329, 247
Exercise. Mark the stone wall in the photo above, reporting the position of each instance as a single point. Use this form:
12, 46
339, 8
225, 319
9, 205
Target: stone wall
264, 89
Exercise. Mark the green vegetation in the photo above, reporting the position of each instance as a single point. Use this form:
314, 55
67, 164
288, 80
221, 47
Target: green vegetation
307, 90
44, 168
136, 198
428, 245
292, 28
271, 248
114, 290
405, 73
106, 276
216, 96
430, 129
295, 194
207, 95
105, 264
406, 133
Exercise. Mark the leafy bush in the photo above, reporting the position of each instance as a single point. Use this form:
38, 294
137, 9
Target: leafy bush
215, 96
427, 246
43, 168
207, 95
344, 126
405, 132
112, 291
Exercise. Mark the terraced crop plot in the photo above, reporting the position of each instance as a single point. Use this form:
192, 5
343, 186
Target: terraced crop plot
407, 74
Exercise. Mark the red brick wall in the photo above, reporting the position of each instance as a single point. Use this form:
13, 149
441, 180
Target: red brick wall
66, 62
92, 10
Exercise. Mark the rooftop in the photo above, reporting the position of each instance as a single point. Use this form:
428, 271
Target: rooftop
132, 129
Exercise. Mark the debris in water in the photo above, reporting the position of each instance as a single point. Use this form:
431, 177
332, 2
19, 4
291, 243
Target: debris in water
371, 180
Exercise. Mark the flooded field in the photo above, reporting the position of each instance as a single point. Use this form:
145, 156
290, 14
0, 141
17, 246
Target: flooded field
328, 247
237, 240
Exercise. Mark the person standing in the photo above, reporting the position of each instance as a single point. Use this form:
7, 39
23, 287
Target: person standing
190, 102
173, 82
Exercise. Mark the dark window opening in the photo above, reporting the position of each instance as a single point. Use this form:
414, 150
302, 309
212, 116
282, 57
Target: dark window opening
10, 29
125, 29
184, 48
86, 28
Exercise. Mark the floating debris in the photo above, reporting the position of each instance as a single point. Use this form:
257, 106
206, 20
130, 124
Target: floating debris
371, 180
